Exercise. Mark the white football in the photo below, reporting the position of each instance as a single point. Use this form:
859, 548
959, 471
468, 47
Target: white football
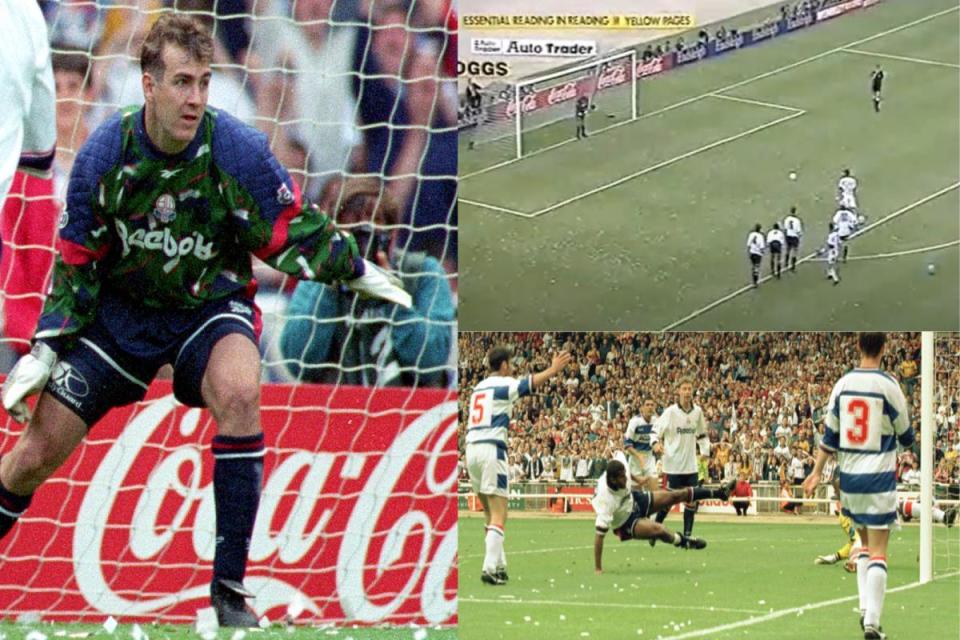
793, 176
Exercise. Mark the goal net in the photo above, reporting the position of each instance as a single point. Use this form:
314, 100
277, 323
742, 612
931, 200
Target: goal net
357, 520
538, 113
939, 490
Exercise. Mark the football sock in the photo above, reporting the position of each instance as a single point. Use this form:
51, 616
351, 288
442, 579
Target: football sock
862, 561
876, 587
662, 515
237, 477
494, 548
502, 562
12, 507
938, 515
677, 539
688, 520
701, 493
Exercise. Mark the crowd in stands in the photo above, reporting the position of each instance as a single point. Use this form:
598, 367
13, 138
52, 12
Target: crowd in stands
340, 87
763, 395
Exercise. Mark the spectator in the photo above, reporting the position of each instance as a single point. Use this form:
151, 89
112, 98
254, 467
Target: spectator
387, 345
742, 490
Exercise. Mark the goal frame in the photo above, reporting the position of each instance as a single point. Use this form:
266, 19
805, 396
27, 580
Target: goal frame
593, 63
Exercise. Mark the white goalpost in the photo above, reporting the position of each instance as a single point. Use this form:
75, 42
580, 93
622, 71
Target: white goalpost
927, 382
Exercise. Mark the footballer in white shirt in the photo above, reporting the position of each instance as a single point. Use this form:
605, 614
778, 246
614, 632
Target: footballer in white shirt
832, 251
793, 229
756, 247
488, 419
677, 434
775, 241
28, 128
637, 446
627, 511
866, 419
846, 223
847, 191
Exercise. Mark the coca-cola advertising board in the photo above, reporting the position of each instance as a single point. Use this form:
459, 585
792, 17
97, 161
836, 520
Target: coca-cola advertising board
358, 517
612, 75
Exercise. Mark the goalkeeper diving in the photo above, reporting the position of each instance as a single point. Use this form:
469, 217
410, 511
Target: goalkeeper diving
166, 204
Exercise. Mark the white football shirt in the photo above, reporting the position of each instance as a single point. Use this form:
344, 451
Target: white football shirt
28, 127
793, 226
679, 431
756, 243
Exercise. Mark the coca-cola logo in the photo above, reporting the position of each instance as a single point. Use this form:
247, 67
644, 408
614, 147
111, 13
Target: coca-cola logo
360, 526
562, 93
612, 77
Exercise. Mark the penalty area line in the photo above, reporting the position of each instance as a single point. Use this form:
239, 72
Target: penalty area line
876, 54
773, 615
615, 605
484, 205
809, 257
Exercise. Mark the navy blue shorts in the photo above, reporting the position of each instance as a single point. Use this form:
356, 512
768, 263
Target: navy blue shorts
113, 361
682, 480
642, 500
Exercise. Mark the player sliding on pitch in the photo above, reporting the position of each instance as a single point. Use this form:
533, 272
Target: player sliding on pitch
166, 204
627, 511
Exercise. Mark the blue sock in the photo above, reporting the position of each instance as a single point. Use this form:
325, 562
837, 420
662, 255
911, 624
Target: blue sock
12, 507
237, 476
662, 515
688, 521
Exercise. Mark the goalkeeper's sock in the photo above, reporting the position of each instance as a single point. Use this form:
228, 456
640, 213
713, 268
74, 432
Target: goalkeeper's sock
12, 507
237, 476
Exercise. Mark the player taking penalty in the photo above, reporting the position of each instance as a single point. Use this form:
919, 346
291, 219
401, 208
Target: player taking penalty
866, 417
166, 204
490, 409
627, 511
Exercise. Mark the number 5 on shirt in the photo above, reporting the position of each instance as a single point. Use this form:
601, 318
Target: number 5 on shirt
480, 409
860, 423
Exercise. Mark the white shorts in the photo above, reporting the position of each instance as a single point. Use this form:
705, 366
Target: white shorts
848, 201
487, 466
648, 469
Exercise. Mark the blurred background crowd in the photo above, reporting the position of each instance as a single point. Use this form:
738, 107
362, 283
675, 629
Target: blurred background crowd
763, 396
341, 88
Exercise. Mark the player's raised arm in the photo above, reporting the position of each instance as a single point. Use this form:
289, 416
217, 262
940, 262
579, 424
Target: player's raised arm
284, 230
559, 362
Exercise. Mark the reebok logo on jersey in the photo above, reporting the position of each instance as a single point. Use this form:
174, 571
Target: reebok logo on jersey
165, 209
165, 242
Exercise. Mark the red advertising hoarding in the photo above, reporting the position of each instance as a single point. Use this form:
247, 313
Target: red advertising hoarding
357, 519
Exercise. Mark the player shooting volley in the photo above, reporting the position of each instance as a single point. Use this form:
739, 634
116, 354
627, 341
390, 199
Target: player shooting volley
28, 129
627, 512
491, 405
165, 206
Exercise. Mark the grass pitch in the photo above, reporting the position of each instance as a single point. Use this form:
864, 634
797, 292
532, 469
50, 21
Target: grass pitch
758, 577
55, 630
643, 226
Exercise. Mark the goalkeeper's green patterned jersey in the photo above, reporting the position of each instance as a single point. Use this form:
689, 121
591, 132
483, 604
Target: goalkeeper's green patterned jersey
176, 232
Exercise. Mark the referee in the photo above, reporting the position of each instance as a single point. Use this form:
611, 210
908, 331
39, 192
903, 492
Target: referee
877, 84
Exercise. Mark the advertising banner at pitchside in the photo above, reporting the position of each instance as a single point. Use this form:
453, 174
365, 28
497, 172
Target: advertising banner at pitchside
357, 519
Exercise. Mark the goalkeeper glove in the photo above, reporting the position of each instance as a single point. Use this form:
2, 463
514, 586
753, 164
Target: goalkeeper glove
27, 378
378, 283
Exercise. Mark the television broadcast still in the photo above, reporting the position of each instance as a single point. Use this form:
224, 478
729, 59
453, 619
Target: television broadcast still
709, 485
710, 165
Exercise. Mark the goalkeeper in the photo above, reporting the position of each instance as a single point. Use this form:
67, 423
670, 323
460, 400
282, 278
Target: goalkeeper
391, 345
165, 205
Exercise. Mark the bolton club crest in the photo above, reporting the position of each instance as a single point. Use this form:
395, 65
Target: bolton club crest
165, 209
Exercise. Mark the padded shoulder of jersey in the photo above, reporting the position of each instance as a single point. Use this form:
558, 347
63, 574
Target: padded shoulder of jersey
101, 151
238, 148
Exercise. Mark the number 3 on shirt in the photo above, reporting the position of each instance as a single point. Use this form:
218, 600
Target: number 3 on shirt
480, 409
860, 423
